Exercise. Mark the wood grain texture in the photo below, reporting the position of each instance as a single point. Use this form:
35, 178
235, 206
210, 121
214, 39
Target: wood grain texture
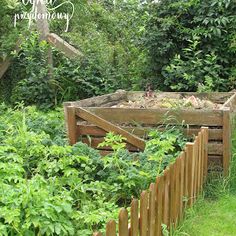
152, 209
158, 116
144, 213
134, 218
111, 228
71, 124
123, 223
226, 140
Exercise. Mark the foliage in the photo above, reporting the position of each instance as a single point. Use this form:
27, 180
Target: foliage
191, 45
50, 188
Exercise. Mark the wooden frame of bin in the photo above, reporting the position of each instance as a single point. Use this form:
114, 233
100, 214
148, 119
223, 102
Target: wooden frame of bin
83, 121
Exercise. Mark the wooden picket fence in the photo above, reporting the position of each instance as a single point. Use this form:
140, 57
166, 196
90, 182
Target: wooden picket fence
166, 199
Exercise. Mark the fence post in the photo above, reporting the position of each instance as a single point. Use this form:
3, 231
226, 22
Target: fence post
226, 140
144, 213
205, 150
111, 228
166, 198
71, 124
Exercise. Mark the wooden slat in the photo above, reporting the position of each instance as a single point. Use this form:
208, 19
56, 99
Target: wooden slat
63, 46
93, 130
182, 159
111, 228
205, 147
166, 199
177, 180
226, 140
158, 116
189, 150
71, 124
186, 176
215, 148
152, 209
159, 201
230, 103
172, 168
99, 101
123, 223
109, 127
144, 213
134, 218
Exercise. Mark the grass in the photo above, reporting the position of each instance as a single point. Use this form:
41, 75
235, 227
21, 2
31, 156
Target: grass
214, 214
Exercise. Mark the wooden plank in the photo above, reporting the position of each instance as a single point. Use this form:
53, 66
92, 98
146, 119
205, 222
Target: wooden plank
189, 149
71, 125
94, 142
182, 159
123, 223
230, 103
195, 150
93, 130
144, 213
205, 147
63, 46
111, 228
172, 168
201, 154
226, 140
159, 201
186, 176
152, 209
177, 179
215, 148
99, 101
109, 127
166, 198
134, 218
158, 116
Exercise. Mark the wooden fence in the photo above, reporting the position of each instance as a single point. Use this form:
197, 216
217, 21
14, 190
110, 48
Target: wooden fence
166, 199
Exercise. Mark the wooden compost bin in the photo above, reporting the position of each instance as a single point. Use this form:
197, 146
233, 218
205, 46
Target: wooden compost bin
90, 119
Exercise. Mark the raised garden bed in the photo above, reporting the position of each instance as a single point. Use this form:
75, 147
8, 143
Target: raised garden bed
134, 114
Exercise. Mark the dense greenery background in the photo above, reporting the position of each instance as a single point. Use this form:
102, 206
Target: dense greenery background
172, 45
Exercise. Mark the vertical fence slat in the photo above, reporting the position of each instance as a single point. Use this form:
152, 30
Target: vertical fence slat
159, 206
166, 198
144, 213
182, 159
123, 223
198, 163
134, 220
186, 177
190, 172
195, 169
201, 159
111, 228
206, 136
172, 193
177, 190
152, 210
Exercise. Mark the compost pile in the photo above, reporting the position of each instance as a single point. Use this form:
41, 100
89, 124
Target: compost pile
190, 102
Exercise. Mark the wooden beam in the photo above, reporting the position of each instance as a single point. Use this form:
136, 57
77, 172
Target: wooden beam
63, 46
109, 127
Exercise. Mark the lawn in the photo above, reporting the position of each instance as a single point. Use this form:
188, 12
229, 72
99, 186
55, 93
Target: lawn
209, 217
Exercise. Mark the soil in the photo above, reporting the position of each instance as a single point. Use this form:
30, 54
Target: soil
190, 102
